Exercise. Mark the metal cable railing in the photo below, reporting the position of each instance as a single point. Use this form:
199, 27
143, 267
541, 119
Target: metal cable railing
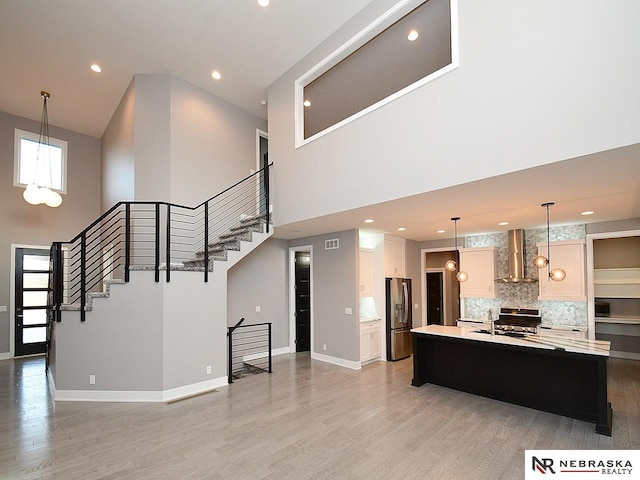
157, 236
249, 349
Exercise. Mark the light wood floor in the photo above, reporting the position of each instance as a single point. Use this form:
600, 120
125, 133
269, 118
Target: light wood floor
307, 420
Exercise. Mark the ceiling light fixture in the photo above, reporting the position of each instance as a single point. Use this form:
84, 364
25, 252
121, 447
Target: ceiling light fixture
263, 3
502, 224
452, 265
216, 75
588, 212
413, 35
540, 262
440, 231
34, 193
96, 68
401, 229
306, 103
368, 220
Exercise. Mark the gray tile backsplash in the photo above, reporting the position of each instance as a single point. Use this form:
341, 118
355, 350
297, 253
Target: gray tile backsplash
526, 295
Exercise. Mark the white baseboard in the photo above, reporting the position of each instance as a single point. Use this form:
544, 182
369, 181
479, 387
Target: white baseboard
341, 362
5, 356
139, 396
255, 356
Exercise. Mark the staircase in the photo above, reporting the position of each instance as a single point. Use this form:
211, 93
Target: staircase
138, 300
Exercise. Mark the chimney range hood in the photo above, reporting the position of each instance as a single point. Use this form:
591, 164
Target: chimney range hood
516, 259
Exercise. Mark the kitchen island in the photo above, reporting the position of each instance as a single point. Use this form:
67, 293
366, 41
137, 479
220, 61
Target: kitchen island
565, 376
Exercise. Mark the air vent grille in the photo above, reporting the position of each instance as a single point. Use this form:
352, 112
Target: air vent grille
331, 244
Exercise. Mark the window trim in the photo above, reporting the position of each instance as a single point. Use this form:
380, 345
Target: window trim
27, 135
376, 27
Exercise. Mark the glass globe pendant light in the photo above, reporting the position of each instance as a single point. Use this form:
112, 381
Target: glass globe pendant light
557, 274
35, 194
451, 265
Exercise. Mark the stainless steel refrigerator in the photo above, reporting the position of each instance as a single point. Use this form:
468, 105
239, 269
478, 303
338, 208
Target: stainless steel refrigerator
399, 323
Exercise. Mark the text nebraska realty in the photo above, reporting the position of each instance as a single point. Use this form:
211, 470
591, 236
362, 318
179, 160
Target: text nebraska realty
606, 467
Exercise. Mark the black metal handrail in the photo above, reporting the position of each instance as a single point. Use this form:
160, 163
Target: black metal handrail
249, 349
155, 236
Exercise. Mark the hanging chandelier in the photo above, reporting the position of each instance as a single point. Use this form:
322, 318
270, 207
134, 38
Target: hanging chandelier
540, 262
39, 191
451, 264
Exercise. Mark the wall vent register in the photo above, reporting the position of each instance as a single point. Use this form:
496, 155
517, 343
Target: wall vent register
331, 244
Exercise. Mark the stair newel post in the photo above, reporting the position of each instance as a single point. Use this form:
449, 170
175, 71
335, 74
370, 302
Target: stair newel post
206, 241
127, 240
270, 370
168, 243
157, 243
83, 275
266, 193
58, 280
230, 359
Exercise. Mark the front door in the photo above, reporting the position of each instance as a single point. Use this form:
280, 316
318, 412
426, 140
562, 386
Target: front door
303, 301
32, 287
435, 314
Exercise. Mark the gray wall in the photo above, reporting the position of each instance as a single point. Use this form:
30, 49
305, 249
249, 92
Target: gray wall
472, 117
171, 141
26, 224
261, 279
335, 287
413, 271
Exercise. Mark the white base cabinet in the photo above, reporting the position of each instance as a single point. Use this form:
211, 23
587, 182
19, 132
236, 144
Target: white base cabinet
370, 338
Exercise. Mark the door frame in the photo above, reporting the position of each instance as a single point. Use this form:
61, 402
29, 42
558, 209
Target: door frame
445, 294
12, 298
292, 296
423, 281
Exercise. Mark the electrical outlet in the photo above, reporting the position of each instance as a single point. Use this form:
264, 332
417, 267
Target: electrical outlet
208, 369
324, 346
92, 379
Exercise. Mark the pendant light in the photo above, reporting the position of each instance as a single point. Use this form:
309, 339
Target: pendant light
34, 193
451, 265
540, 262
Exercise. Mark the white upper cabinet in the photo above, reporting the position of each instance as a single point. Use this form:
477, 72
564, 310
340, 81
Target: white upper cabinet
394, 259
480, 266
569, 256
366, 273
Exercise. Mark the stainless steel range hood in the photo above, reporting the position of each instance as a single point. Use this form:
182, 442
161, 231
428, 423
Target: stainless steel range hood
516, 259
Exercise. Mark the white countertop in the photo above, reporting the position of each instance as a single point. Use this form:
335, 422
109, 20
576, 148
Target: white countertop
574, 345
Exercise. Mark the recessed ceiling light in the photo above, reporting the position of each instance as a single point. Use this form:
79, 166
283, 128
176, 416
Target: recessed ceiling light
96, 68
368, 220
216, 75
440, 231
263, 102
306, 103
263, 3
588, 212
502, 224
401, 229
413, 35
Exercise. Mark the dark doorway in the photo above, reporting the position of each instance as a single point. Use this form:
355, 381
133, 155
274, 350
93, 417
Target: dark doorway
32, 288
435, 310
303, 301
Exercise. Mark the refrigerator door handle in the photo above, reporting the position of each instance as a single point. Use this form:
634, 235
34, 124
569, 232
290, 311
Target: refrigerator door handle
405, 294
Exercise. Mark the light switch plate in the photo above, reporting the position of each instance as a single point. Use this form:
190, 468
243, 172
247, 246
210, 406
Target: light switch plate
3, 308
348, 310
257, 308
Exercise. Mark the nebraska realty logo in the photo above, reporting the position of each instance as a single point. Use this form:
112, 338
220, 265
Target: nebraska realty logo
584, 464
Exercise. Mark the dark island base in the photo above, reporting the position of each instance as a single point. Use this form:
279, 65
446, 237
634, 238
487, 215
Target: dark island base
555, 381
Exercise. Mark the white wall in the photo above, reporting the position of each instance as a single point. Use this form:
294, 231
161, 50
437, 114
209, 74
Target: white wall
538, 82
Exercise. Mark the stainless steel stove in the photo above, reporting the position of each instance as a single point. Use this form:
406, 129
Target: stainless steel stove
518, 320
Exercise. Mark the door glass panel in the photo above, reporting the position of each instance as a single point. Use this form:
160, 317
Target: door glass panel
35, 262
34, 299
34, 335
34, 317
35, 280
